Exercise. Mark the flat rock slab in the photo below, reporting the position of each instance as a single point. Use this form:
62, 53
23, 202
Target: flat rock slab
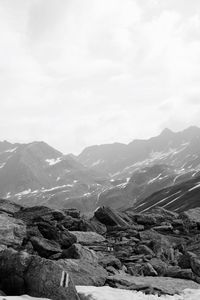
88, 237
167, 285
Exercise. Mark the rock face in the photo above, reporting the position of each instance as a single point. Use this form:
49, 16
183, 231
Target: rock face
22, 273
12, 231
109, 217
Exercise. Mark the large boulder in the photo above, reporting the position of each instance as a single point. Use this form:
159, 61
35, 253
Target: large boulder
59, 235
44, 278
84, 272
44, 247
22, 273
12, 231
109, 217
88, 237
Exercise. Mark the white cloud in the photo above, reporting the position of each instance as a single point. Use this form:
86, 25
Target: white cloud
74, 73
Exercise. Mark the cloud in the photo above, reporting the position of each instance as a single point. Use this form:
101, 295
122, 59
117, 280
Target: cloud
75, 73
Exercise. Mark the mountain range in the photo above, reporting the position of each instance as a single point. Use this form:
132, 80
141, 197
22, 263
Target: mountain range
163, 170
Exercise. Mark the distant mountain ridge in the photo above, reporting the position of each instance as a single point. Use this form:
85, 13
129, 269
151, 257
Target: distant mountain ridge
116, 174
116, 157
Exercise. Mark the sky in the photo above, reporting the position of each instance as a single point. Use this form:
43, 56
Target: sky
74, 73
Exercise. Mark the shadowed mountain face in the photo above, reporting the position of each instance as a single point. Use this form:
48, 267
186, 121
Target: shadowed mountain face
179, 197
117, 175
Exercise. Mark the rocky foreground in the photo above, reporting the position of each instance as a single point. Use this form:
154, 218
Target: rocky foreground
46, 253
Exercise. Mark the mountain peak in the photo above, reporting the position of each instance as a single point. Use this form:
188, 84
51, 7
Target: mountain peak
166, 132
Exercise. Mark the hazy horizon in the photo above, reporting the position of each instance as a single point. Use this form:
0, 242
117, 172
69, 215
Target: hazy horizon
78, 73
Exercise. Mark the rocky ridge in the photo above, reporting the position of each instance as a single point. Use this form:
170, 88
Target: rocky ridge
46, 252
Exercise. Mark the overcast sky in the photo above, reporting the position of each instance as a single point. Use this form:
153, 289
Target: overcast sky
80, 72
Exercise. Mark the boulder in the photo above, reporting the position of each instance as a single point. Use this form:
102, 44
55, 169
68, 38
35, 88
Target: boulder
177, 272
162, 245
88, 237
143, 249
59, 235
195, 264
72, 212
84, 272
98, 226
13, 266
193, 215
184, 261
9, 207
159, 265
12, 231
73, 224
194, 245
167, 214
22, 273
77, 251
110, 260
148, 219
44, 247
44, 278
109, 217
29, 214
148, 270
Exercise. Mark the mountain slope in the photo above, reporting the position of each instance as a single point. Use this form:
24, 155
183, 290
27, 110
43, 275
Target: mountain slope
151, 165
116, 175
36, 173
181, 149
178, 198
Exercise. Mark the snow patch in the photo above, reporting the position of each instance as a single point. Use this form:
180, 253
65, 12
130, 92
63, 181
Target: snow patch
11, 150
195, 187
53, 161
108, 293
26, 192
155, 178
54, 188
99, 161
2, 165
